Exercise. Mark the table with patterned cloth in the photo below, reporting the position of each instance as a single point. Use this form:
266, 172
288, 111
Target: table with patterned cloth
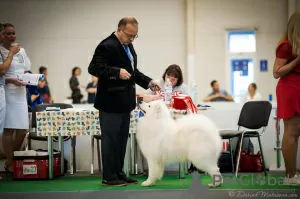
66, 122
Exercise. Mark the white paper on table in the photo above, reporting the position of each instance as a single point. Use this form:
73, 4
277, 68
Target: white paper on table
74, 109
31, 79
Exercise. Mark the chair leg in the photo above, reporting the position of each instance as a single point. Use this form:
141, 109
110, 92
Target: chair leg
71, 158
93, 155
28, 143
127, 162
186, 167
239, 155
181, 170
74, 153
99, 156
262, 155
231, 156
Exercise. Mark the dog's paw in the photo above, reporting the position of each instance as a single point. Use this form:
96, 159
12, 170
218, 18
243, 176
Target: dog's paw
147, 183
214, 185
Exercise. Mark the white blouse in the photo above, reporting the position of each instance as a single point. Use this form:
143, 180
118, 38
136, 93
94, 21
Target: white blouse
257, 97
182, 89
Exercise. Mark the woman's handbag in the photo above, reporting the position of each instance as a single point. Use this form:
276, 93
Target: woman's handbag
249, 162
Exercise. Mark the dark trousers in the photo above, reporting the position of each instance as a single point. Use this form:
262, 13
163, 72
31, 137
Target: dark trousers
76, 101
114, 136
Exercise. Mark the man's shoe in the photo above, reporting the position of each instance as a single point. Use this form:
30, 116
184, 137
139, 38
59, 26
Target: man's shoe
116, 183
127, 180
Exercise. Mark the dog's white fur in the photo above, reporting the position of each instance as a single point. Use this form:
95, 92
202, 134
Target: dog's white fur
164, 140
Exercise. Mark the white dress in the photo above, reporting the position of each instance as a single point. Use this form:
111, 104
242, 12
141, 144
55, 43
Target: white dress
16, 116
2, 107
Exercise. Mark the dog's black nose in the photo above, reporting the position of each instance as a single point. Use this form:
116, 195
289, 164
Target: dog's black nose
139, 100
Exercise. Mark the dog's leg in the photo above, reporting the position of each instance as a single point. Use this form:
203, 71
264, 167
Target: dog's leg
216, 176
156, 171
213, 171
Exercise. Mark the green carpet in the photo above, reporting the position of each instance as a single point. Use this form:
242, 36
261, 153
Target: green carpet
92, 183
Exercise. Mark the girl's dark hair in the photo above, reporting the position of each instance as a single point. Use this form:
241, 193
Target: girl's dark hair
254, 86
1, 26
175, 71
74, 70
7, 25
42, 69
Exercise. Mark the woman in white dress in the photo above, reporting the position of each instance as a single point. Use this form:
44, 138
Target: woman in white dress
253, 94
4, 65
16, 116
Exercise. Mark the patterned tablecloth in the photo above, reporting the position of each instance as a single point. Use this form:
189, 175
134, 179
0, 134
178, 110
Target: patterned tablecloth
68, 122
74, 122
136, 114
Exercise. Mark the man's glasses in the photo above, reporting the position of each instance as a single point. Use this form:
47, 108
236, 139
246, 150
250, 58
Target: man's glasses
130, 36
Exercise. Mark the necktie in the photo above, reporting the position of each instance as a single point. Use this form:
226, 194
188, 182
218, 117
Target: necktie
127, 52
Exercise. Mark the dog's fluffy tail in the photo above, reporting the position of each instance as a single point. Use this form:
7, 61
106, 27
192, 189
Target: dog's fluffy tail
198, 122
202, 126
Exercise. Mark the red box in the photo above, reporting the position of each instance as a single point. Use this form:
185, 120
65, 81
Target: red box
36, 167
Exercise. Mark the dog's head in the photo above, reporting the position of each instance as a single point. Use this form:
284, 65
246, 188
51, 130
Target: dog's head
155, 109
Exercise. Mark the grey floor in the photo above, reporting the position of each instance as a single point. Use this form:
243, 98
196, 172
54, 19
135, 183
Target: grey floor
155, 194
196, 191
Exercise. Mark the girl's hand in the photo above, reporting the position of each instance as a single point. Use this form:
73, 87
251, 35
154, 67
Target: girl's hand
17, 82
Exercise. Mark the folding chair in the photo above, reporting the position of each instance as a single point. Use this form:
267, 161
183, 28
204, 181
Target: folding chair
99, 157
254, 116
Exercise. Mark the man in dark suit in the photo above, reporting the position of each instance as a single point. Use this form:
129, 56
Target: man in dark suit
115, 63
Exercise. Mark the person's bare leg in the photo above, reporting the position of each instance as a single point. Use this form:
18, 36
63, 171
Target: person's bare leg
7, 142
19, 139
296, 133
290, 145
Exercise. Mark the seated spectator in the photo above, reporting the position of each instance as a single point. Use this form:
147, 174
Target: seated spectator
174, 73
253, 94
217, 95
92, 90
33, 94
45, 90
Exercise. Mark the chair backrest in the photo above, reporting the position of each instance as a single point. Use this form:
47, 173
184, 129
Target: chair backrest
255, 114
43, 107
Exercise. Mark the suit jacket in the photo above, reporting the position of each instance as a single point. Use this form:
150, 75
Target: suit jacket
114, 94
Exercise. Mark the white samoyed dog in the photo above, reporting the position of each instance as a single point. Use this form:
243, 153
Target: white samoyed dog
163, 140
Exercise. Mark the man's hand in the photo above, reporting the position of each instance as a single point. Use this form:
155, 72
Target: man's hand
154, 86
124, 74
219, 95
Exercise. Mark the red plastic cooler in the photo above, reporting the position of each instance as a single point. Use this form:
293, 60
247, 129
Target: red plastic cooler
35, 166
